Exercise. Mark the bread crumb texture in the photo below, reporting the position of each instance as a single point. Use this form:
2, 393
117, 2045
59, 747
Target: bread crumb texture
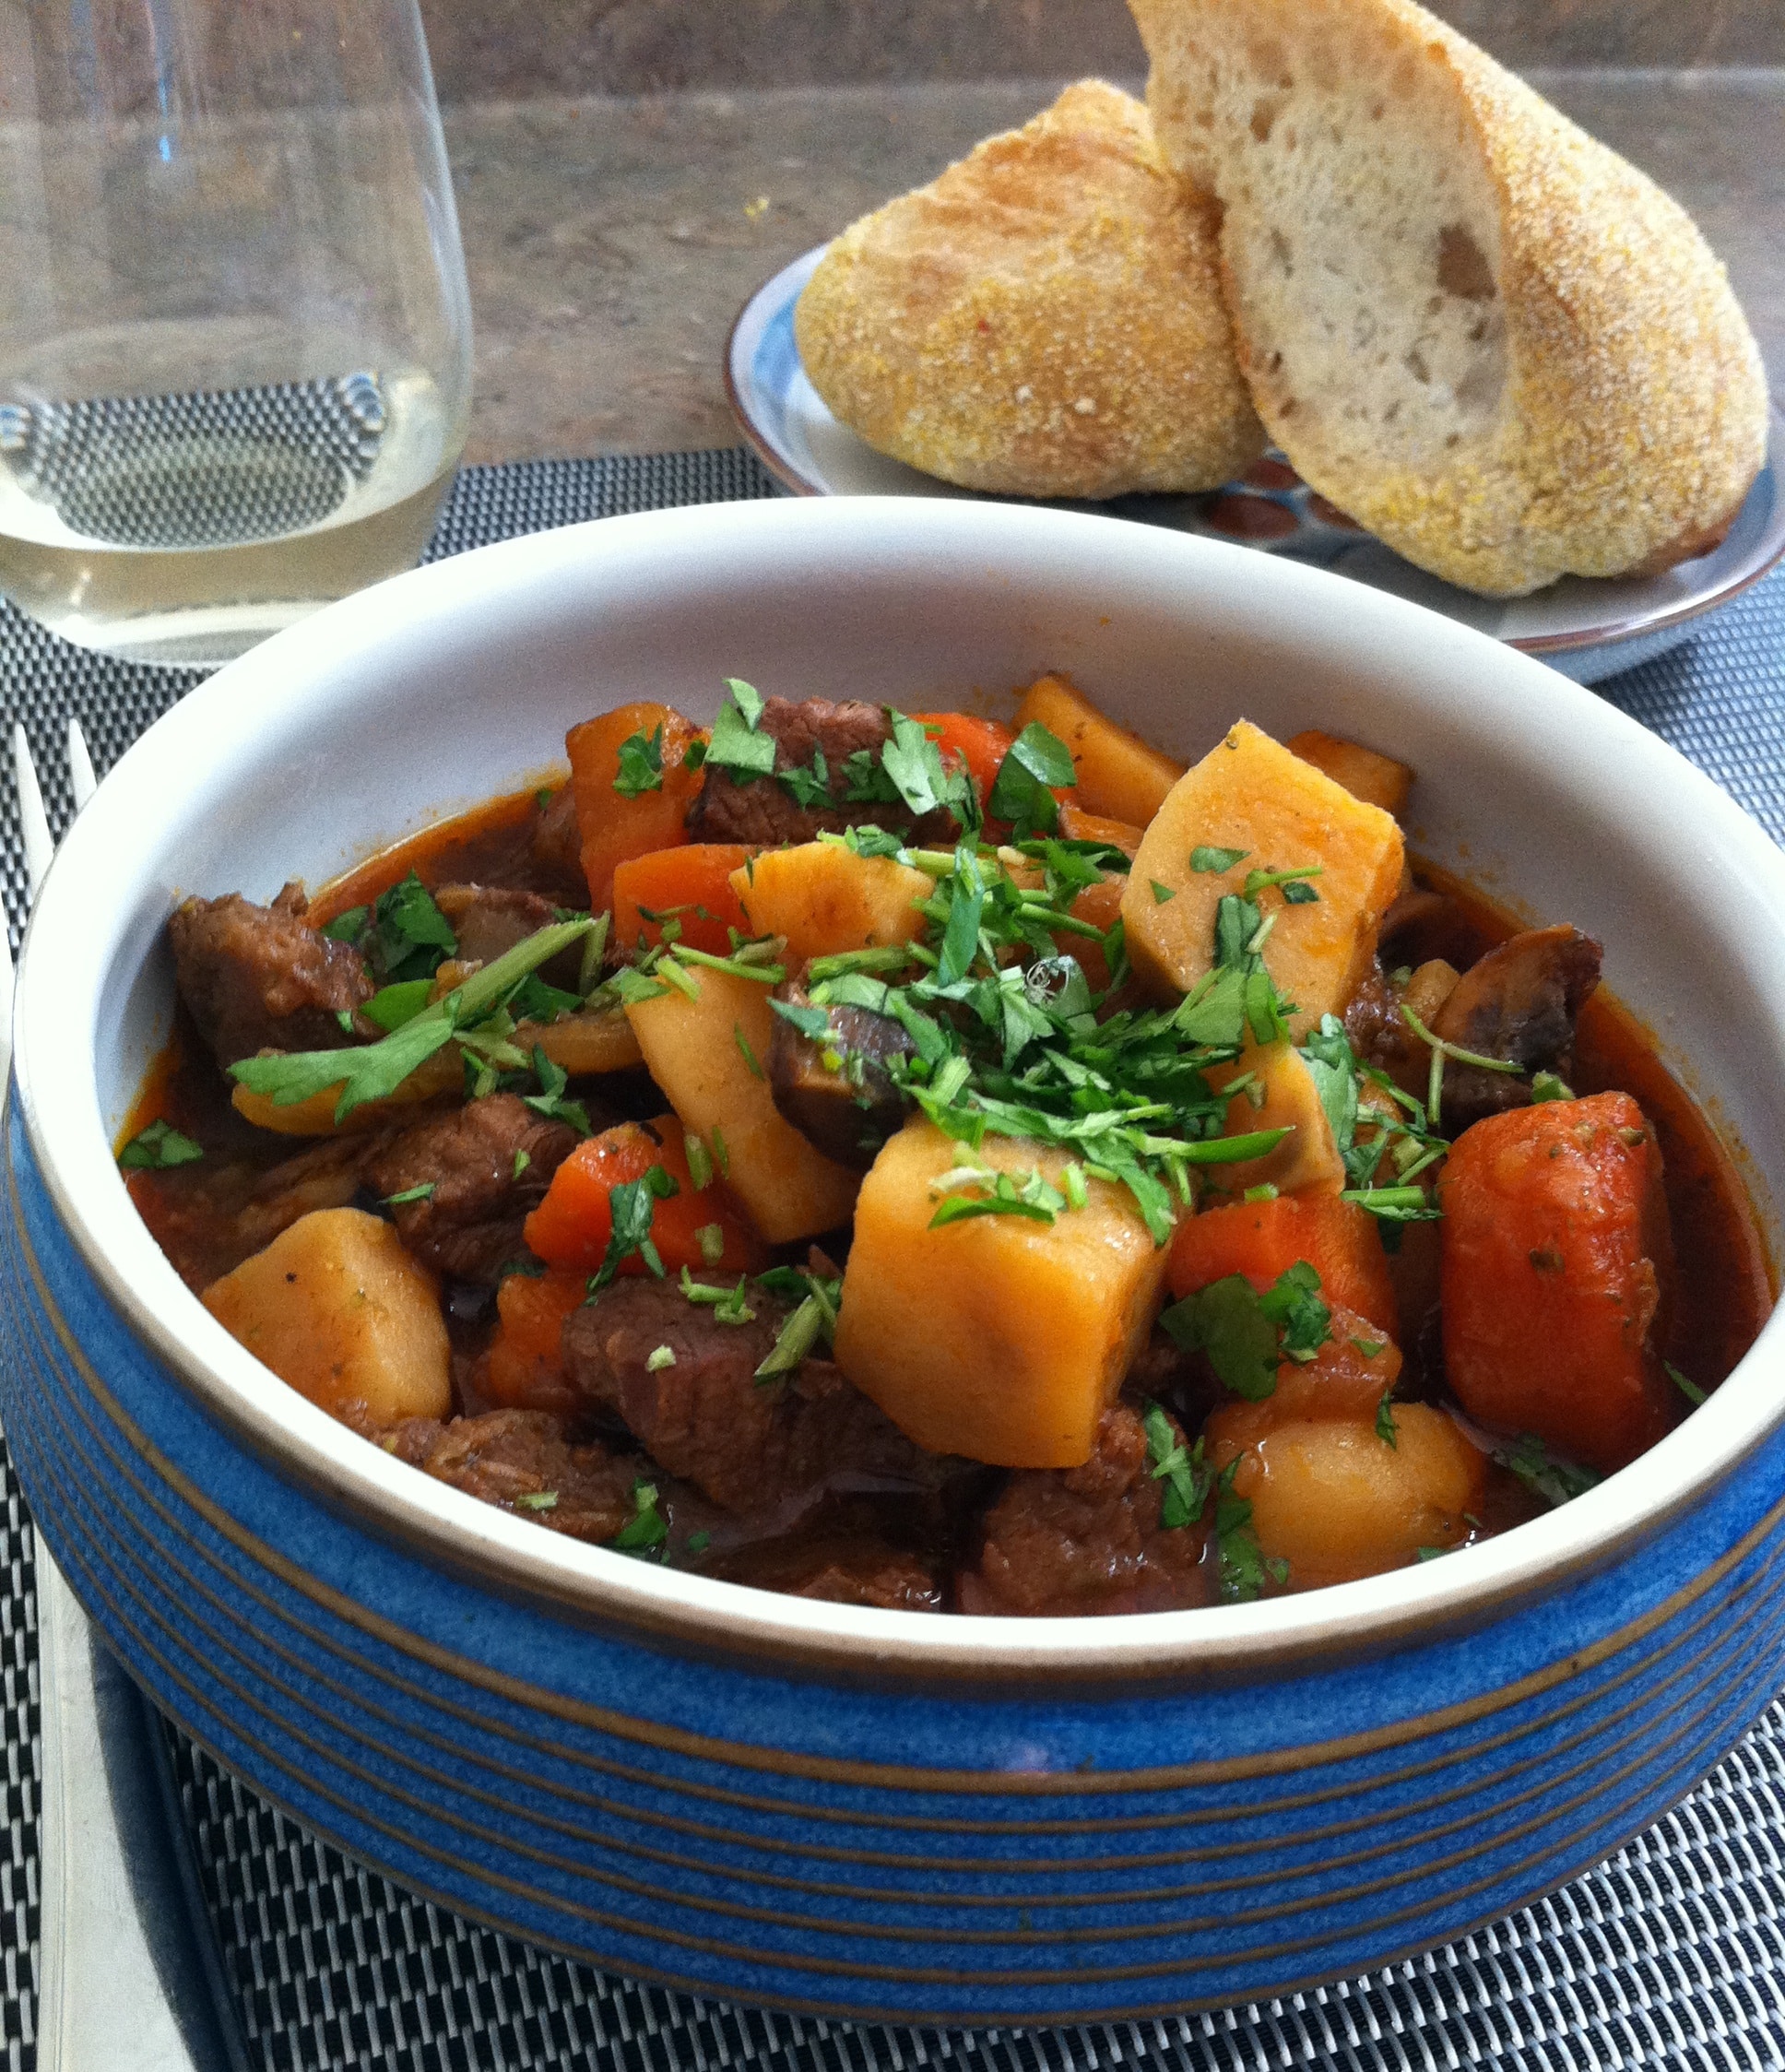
1484, 336
1045, 319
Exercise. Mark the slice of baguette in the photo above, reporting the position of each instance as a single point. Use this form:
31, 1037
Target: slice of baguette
1044, 319
1486, 337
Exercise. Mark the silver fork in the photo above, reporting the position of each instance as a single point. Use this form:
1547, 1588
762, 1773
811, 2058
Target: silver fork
124, 1980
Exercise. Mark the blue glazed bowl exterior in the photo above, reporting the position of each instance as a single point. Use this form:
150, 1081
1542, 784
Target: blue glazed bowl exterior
924, 1856
877, 1813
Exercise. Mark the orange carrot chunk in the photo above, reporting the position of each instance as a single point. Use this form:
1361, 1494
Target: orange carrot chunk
690, 885
1555, 1256
524, 1370
1264, 1239
702, 1228
620, 813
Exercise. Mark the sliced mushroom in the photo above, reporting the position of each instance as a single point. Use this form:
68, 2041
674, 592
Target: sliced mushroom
847, 1109
1521, 1003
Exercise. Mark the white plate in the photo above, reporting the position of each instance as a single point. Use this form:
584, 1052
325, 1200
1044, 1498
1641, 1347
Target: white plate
1586, 629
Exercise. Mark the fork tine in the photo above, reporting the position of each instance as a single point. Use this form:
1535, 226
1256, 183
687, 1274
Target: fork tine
33, 821
81, 780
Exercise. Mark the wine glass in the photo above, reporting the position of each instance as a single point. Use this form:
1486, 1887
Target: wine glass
235, 336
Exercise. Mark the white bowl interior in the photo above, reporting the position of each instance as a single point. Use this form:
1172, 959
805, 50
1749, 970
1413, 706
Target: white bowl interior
454, 683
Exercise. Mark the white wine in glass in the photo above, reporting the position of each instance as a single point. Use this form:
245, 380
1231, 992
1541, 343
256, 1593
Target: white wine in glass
234, 329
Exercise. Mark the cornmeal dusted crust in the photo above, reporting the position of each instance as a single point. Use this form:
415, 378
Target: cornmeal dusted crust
1489, 338
1044, 319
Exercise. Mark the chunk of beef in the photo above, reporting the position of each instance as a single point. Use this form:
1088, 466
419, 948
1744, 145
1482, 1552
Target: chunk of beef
556, 849
749, 1446
488, 919
327, 1175
1521, 1001
507, 1457
261, 978
1061, 1542
855, 1569
761, 811
848, 1113
487, 1166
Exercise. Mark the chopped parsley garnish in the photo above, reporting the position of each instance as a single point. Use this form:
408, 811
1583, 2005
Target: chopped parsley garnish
1037, 764
1386, 1428
1556, 1481
728, 1305
1187, 1481
1161, 893
391, 1006
633, 1203
1247, 1335
157, 1148
1692, 1393
523, 1159
699, 1162
809, 783
710, 1237
1206, 860
914, 763
745, 1052
1242, 1568
1299, 893
474, 1013
811, 1021
403, 935
735, 744
658, 1359
643, 1534
1260, 881
537, 1500
423, 1191
1034, 1197
1546, 1087
549, 1100
698, 1542
640, 764
348, 926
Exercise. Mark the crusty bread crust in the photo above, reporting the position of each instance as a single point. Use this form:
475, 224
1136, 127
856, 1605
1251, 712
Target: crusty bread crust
1489, 338
1043, 320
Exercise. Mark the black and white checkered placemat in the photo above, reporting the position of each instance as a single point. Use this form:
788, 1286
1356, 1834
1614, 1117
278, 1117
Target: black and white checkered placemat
1670, 1954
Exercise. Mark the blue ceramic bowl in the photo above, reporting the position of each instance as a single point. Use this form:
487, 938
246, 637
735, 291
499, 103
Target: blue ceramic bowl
865, 1813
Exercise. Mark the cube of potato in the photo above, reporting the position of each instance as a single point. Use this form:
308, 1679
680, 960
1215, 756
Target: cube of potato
995, 1337
1118, 776
1307, 1160
335, 1307
1379, 780
710, 1056
824, 898
1336, 1501
1250, 794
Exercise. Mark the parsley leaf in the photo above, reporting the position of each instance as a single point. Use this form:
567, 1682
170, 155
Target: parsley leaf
1207, 860
1243, 1567
1187, 1481
1294, 1303
549, 1100
159, 1147
867, 784
914, 763
1036, 763
643, 1534
1246, 1336
633, 1204
1692, 1393
735, 744
1161, 893
422, 1191
348, 926
1226, 1322
809, 784
409, 936
391, 1006
1386, 1428
1556, 1481
641, 764
811, 1021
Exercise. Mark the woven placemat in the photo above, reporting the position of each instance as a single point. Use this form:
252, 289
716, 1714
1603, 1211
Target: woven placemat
1672, 1953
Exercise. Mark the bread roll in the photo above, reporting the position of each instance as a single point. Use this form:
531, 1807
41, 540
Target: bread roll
1044, 319
1487, 337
